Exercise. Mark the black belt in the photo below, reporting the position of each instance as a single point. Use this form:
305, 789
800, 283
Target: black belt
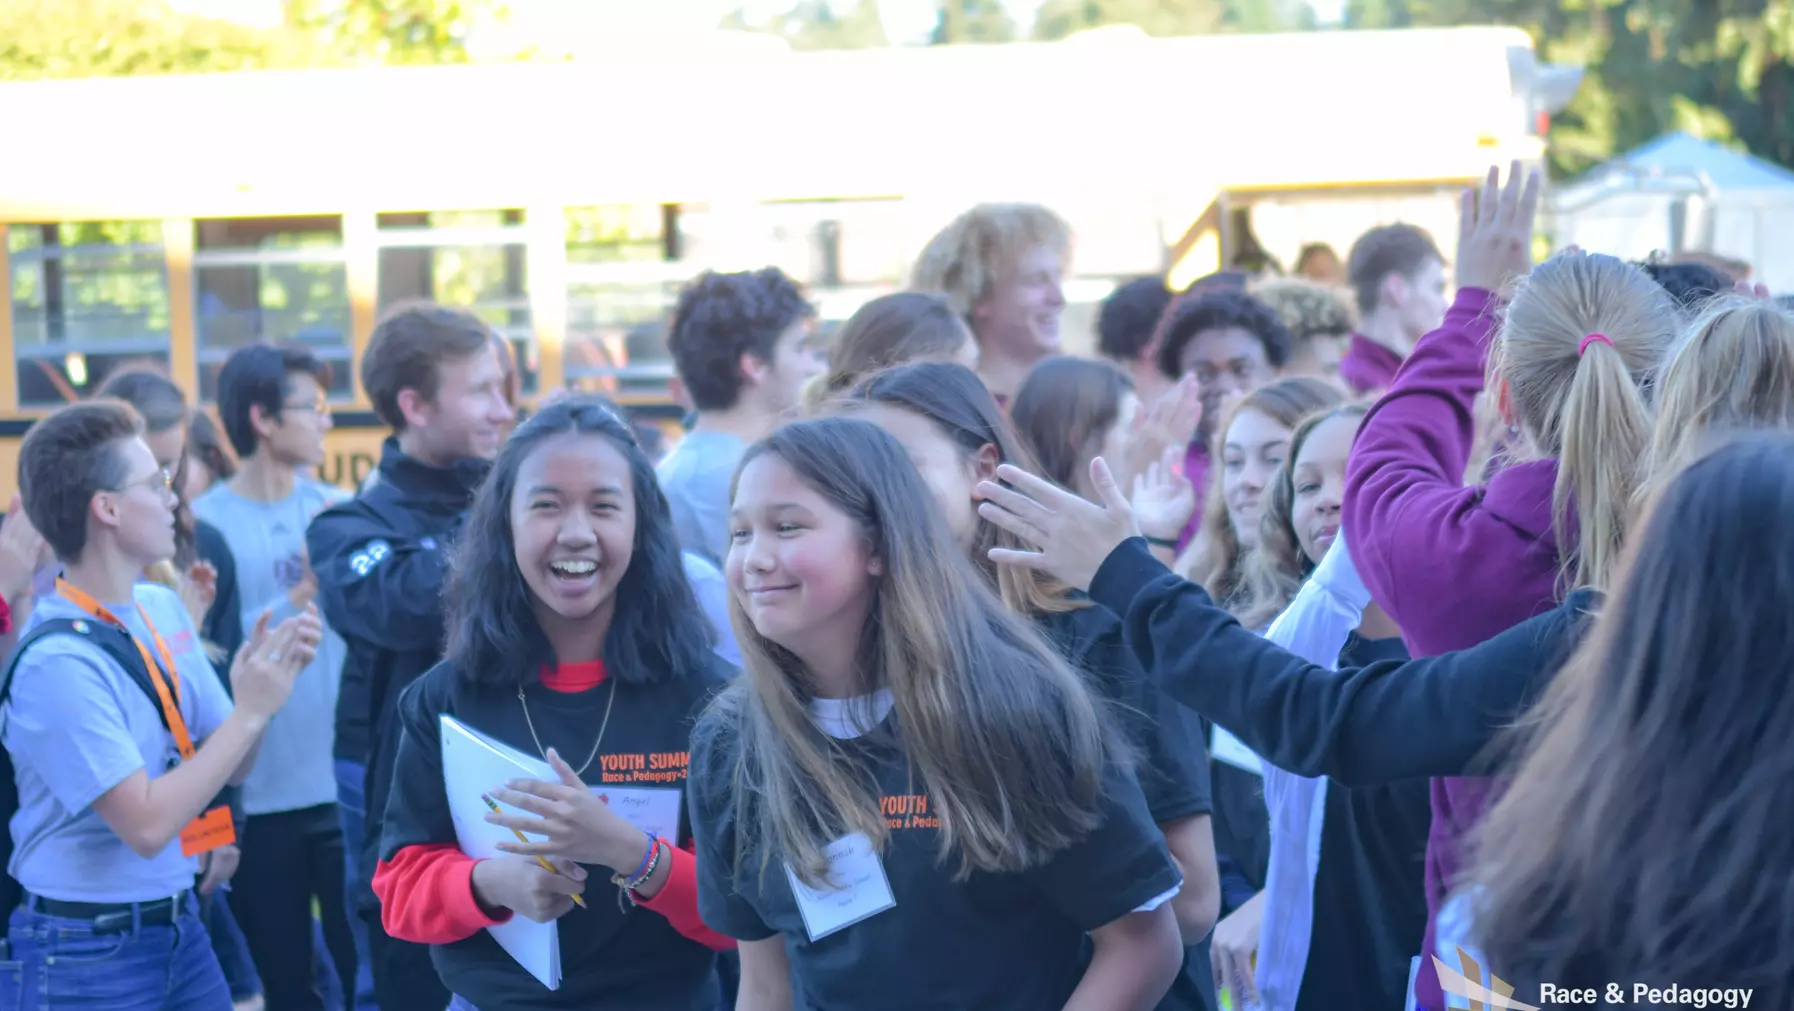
113, 917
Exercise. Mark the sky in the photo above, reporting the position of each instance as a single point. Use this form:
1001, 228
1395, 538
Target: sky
905, 20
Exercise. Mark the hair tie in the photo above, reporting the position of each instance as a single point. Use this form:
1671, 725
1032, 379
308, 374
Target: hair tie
1582, 349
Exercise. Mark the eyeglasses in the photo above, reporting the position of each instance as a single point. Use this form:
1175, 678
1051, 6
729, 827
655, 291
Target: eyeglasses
162, 479
318, 406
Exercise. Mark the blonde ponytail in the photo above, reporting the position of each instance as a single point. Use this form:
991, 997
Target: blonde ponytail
1580, 344
1606, 427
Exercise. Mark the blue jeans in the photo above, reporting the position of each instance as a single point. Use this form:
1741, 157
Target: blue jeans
62, 964
229, 946
351, 810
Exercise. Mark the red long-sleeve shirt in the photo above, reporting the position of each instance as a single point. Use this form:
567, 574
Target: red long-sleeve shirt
426, 891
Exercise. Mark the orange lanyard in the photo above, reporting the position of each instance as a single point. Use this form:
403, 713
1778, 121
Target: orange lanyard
171, 708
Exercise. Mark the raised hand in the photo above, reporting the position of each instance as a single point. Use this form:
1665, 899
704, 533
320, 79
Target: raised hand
1495, 230
263, 672
1758, 292
574, 822
1163, 500
1170, 421
1074, 536
199, 588
22, 551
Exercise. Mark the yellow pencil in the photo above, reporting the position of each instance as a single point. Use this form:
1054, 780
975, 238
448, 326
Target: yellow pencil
581, 903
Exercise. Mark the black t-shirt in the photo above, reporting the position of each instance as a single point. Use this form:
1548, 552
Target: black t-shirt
1242, 827
991, 942
1174, 768
631, 960
1369, 891
223, 625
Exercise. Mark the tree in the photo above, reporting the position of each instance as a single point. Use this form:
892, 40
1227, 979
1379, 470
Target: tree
1269, 15
359, 32
972, 21
110, 38
1060, 18
821, 24
99, 38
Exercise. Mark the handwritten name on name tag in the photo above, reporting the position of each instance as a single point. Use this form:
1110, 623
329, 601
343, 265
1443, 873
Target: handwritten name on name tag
859, 888
649, 809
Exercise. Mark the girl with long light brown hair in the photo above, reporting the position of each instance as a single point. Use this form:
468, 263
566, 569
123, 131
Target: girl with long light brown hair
1253, 443
908, 798
951, 427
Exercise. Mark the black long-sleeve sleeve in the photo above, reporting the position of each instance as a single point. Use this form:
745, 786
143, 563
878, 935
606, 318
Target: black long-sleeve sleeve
223, 625
375, 581
1389, 721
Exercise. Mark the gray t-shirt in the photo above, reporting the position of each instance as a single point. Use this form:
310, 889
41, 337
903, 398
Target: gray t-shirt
294, 770
76, 726
695, 477
713, 596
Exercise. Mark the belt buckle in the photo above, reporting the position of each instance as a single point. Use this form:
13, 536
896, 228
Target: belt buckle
112, 923
121, 921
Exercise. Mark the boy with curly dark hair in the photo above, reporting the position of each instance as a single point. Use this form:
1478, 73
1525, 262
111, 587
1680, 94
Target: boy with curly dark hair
1233, 344
742, 345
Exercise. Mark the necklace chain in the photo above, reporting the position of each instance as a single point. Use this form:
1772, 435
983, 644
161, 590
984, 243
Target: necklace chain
602, 727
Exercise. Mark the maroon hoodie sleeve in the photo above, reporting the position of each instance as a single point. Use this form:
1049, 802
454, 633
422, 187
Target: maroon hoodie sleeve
1417, 532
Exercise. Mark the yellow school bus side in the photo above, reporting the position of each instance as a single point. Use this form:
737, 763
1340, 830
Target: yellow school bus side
351, 453
352, 450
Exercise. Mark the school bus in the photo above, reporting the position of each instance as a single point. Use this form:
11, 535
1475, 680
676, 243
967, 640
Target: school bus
169, 220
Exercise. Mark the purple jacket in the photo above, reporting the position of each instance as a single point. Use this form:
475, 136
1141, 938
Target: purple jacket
1196, 467
1367, 366
1453, 565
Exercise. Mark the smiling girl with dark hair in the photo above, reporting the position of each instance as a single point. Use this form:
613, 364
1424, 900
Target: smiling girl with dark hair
571, 626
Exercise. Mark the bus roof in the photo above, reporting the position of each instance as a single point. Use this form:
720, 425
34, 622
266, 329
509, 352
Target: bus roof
1020, 121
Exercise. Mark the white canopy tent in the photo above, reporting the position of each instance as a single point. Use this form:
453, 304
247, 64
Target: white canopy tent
1680, 194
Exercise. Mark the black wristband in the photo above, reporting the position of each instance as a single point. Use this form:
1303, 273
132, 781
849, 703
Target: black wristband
1161, 542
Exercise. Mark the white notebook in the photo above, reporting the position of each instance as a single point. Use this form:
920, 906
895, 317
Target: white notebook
474, 765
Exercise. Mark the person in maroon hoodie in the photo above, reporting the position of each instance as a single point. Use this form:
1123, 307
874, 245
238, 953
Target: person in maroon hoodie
1455, 565
1398, 277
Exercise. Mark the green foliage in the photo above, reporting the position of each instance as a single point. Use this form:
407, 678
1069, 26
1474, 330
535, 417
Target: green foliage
1719, 69
108, 38
963, 21
407, 32
821, 24
1059, 18
94, 38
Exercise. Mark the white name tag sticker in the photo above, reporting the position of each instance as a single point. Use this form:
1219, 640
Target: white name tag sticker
860, 888
1224, 747
650, 809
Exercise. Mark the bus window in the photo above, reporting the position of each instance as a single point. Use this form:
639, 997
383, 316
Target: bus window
473, 260
277, 279
88, 298
621, 283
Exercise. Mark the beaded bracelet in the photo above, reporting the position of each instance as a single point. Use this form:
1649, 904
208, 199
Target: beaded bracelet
626, 886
